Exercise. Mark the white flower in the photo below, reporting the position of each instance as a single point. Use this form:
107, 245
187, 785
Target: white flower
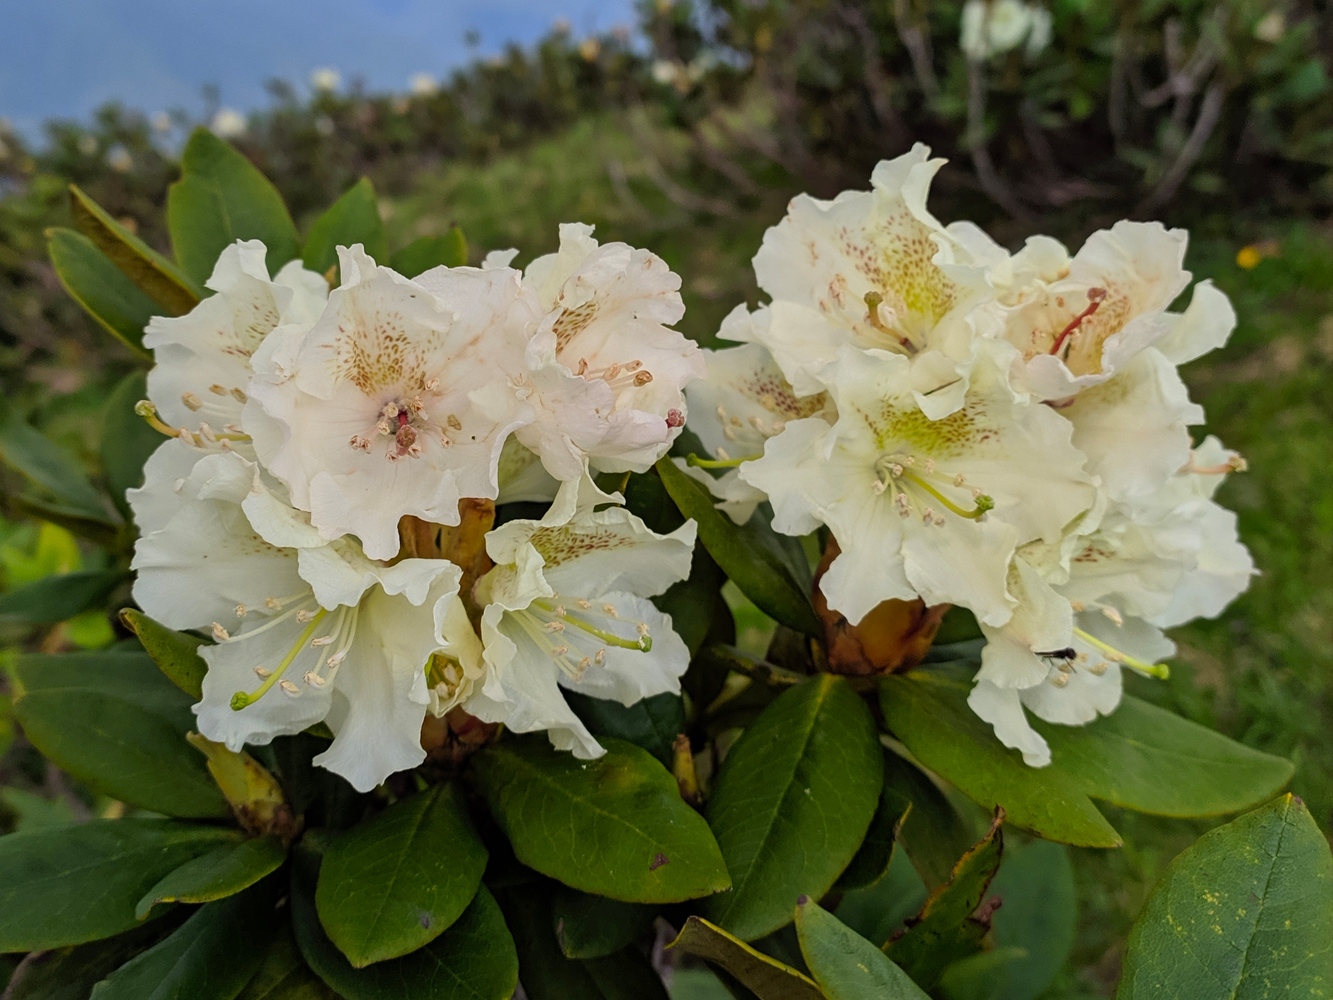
397, 400
993, 27
422, 84
228, 123
566, 604
920, 507
306, 631
605, 370
203, 359
875, 270
325, 79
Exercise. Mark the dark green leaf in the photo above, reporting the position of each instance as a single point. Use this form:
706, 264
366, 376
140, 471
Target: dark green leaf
652, 723
111, 720
1038, 918
876, 911
391, 885
949, 926
93, 281
792, 803
1245, 913
1145, 758
473, 960
67, 886
30, 453
175, 653
71, 973
929, 713
58, 598
978, 977
209, 957
872, 858
353, 218
218, 874
933, 834
614, 826
221, 198
626, 975
449, 250
755, 558
768, 978
593, 926
158, 277
285, 976
845, 965
99, 530
127, 440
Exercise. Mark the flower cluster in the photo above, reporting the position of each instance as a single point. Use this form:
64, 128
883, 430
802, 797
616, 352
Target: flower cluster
332, 453
1003, 432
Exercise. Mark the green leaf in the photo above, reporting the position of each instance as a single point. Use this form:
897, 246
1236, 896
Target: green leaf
449, 250
1246, 912
127, 440
933, 834
626, 975
753, 556
651, 723
112, 721
768, 978
31, 454
879, 910
949, 926
589, 926
93, 281
845, 965
221, 198
929, 713
71, 973
55, 599
1145, 758
872, 858
156, 276
391, 885
1039, 918
67, 886
353, 218
614, 826
209, 957
175, 653
285, 976
218, 874
792, 803
473, 960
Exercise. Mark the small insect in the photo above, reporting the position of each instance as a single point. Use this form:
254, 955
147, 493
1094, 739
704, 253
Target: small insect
1068, 653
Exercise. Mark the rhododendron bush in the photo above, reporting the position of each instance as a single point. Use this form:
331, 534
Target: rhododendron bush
438, 686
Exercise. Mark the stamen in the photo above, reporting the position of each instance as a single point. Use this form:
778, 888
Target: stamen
217, 390
241, 699
1095, 298
289, 688
241, 610
220, 633
192, 401
873, 301
1159, 670
263, 672
238, 394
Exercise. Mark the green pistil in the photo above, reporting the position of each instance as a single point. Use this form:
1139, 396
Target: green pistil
1159, 670
643, 643
241, 699
982, 501
719, 463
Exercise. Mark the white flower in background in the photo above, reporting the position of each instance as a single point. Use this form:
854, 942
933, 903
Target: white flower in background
118, 158
325, 79
228, 123
874, 269
397, 400
422, 84
605, 371
161, 121
306, 631
203, 359
993, 27
920, 507
567, 605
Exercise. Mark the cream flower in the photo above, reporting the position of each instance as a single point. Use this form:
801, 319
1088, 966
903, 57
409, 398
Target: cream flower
397, 401
605, 371
920, 507
566, 605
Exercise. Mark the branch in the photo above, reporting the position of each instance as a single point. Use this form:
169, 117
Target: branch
1210, 112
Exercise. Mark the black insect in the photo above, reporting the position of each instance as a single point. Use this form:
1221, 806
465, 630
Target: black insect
1068, 653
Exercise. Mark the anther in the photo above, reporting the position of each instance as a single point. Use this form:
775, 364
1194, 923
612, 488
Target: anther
289, 688
192, 401
1112, 614
600, 658
217, 390
238, 394
263, 672
241, 611
305, 616
453, 422
1059, 679
610, 609
314, 680
272, 603
323, 640
554, 626
584, 604
559, 651
642, 378
220, 633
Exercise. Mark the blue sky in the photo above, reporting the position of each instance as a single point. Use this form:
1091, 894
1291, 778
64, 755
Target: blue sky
62, 58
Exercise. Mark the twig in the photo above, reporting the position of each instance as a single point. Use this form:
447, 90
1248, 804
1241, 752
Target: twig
1210, 112
987, 175
917, 43
877, 82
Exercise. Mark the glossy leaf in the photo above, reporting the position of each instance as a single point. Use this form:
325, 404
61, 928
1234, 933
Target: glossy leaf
220, 873
1038, 918
589, 926
1245, 913
221, 198
397, 882
127, 440
173, 652
765, 976
209, 957
879, 910
156, 276
58, 598
753, 556
353, 218
285, 976
47, 467
92, 280
845, 965
651, 723
111, 720
449, 250
933, 834
64, 886
614, 826
473, 960
872, 858
71, 973
949, 926
792, 803
929, 714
